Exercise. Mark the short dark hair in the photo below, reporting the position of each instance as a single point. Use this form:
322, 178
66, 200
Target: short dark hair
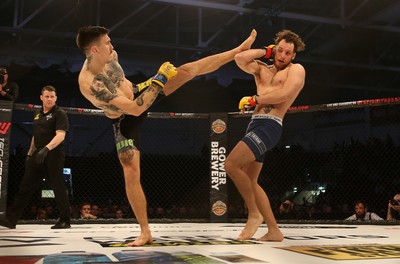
89, 34
49, 88
360, 202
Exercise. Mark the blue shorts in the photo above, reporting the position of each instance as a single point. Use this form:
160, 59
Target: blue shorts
262, 134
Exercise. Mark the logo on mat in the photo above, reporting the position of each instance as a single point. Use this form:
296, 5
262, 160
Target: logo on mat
4, 127
349, 252
218, 126
219, 208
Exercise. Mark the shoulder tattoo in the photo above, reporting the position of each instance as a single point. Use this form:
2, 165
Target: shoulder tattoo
103, 89
104, 86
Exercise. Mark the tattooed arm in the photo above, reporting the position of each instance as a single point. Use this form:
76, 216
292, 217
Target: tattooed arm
110, 101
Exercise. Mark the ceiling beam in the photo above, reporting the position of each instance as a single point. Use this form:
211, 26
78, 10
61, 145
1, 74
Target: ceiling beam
284, 14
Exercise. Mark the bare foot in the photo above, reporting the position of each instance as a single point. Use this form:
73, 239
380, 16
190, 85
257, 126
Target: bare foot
141, 240
272, 236
249, 41
251, 227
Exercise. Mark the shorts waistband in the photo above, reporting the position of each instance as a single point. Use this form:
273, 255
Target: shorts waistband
275, 118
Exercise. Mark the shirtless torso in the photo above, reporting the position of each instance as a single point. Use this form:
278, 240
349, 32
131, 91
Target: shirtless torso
105, 85
271, 81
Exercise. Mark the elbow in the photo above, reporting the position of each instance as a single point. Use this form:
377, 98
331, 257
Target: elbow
136, 112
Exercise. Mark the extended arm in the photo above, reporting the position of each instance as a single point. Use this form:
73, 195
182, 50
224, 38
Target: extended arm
106, 92
122, 104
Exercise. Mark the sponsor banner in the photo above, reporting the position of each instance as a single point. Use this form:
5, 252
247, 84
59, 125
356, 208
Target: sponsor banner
350, 252
218, 177
5, 131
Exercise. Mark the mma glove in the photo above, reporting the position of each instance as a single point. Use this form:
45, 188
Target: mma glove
166, 72
269, 52
248, 102
41, 155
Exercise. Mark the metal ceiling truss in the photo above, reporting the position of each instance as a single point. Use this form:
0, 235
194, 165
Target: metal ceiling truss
345, 19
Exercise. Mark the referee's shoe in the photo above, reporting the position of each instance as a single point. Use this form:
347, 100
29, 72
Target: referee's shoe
4, 222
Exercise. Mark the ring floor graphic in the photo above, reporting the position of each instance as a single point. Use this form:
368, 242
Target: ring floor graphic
200, 243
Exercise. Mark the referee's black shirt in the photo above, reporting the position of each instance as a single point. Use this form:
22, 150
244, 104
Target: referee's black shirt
45, 125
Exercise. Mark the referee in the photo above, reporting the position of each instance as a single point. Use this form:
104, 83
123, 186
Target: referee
45, 156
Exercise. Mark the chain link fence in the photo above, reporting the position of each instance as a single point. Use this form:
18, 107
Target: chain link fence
325, 161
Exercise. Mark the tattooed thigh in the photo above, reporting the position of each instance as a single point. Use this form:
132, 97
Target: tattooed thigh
126, 150
126, 155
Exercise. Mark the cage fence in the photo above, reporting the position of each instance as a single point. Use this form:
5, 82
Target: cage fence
328, 157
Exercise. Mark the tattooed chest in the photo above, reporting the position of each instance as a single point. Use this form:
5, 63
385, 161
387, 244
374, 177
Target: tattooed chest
106, 84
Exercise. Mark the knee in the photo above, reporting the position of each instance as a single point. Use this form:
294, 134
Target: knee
230, 167
126, 157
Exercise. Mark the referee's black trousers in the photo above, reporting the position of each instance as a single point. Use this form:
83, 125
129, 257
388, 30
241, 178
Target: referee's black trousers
52, 167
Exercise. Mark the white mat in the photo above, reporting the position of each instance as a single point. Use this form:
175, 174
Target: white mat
200, 243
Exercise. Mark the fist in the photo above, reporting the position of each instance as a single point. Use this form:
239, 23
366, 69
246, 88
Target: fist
269, 52
165, 72
247, 102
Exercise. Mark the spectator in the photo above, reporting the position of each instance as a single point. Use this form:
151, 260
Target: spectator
86, 211
286, 210
362, 214
393, 212
119, 214
160, 212
96, 210
41, 214
8, 90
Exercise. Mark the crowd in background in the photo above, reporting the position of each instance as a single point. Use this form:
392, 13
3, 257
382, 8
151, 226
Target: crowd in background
286, 210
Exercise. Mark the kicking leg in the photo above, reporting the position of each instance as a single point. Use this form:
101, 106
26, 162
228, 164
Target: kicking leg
188, 71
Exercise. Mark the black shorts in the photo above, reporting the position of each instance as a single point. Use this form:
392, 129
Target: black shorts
262, 134
127, 128
127, 131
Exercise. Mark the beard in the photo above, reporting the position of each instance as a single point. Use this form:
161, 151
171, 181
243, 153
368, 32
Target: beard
360, 216
281, 66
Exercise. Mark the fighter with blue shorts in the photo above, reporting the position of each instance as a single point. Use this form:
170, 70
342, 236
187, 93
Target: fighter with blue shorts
262, 134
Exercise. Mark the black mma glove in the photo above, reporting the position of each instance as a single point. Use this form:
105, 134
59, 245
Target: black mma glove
40, 157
